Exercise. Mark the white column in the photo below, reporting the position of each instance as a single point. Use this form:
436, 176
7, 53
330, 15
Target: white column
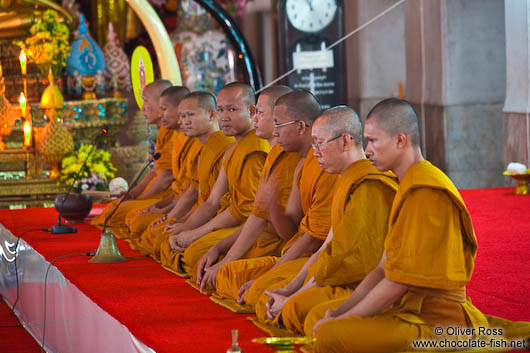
516, 121
456, 74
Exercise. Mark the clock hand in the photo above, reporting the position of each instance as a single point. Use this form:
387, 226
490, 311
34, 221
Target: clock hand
310, 3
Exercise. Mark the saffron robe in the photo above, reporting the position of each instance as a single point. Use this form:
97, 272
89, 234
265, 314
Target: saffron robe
208, 168
431, 247
243, 166
279, 167
316, 192
164, 145
359, 222
185, 158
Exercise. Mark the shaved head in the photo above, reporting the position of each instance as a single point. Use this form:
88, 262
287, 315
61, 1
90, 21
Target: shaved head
156, 87
275, 92
396, 116
175, 94
249, 95
342, 119
205, 100
151, 96
300, 105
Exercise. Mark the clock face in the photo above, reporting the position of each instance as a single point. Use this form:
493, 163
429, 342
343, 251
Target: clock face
310, 15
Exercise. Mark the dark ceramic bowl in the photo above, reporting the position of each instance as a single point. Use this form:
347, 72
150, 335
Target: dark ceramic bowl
75, 208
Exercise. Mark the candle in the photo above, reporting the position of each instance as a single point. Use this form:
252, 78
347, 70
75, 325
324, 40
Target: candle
22, 101
22, 59
27, 133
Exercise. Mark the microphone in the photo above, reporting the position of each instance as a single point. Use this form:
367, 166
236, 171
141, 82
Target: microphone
63, 229
133, 184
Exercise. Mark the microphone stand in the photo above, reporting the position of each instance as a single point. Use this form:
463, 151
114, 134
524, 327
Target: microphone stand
108, 250
64, 229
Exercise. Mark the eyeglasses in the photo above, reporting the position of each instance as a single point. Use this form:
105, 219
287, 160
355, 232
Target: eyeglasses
318, 146
277, 126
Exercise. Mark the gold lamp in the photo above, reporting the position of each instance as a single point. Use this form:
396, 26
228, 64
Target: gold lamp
55, 141
52, 99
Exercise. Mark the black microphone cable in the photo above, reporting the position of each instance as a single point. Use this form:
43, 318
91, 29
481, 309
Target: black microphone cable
16, 271
45, 289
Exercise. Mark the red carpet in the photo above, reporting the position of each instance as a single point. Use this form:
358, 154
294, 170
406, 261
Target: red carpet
14, 339
501, 281
159, 308
166, 314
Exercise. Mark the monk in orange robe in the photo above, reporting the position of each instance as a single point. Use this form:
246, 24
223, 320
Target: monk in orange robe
419, 284
306, 219
185, 156
237, 182
256, 237
359, 219
154, 186
198, 120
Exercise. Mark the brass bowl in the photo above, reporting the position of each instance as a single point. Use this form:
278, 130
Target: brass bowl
523, 180
284, 344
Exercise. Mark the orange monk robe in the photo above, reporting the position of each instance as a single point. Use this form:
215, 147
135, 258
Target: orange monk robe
431, 247
243, 167
279, 166
185, 158
316, 192
359, 222
164, 146
210, 162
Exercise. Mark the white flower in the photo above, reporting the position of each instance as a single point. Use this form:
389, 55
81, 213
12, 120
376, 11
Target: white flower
117, 186
84, 186
516, 168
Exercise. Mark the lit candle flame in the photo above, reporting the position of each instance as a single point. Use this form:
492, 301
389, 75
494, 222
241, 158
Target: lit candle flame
22, 101
22, 59
27, 133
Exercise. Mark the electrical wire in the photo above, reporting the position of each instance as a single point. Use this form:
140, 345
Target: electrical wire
16, 272
340, 40
45, 291
6, 326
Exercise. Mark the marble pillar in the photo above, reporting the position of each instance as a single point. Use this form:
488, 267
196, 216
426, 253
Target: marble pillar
375, 56
516, 120
456, 77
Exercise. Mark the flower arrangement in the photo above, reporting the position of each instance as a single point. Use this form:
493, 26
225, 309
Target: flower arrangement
97, 172
48, 46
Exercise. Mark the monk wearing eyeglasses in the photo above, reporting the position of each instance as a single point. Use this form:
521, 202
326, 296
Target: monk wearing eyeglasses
418, 289
359, 219
305, 220
256, 237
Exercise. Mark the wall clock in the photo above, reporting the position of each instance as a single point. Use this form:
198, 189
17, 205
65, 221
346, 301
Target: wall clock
306, 28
